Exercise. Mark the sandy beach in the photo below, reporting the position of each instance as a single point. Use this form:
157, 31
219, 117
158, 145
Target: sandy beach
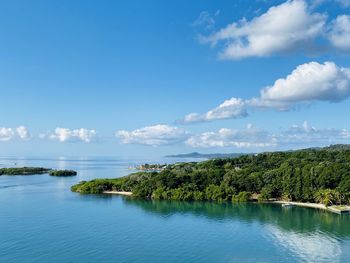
118, 193
333, 209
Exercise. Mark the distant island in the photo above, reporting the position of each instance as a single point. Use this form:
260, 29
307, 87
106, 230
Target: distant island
206, 155
62, 173
35, 171
24, 171
307, 176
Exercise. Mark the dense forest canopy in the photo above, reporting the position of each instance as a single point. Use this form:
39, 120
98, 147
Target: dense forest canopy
311, 175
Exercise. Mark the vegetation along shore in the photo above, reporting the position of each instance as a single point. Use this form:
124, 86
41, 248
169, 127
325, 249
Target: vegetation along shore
309, 176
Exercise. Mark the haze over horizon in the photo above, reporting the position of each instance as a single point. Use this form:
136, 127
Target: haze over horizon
128, 78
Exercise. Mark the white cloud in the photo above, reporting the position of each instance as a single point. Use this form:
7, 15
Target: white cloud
339, 34
282, 28
248, 138
308, 83
67, 135
297, 136
290, 26
156, 135
229, 109
6, 134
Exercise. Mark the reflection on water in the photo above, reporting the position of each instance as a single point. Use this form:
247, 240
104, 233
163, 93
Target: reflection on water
312, 247
300, 220
311, 235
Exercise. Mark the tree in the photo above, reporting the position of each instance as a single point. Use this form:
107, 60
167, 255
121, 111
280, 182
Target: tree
327, 197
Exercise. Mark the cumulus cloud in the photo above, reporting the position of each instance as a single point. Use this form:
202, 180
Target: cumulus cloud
156, 135
68, 135
339, 34
229, 109
282, 28
7, 134
308, 83
297, 136
288, 27
250, 137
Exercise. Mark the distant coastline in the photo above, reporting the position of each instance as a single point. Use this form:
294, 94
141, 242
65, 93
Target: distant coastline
207, 155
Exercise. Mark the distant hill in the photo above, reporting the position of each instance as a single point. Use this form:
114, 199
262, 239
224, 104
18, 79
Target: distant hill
338, 147
206, 155
334, 147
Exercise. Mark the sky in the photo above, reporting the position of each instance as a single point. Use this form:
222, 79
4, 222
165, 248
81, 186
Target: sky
151, 78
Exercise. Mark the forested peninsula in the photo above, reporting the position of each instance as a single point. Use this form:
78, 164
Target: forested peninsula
319, 175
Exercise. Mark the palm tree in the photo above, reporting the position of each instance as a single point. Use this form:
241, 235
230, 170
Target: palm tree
327, 196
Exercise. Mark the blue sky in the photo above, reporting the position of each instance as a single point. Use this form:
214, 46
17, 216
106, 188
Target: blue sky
125, 77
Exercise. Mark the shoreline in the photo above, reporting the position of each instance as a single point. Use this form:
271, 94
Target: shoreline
118, 193
337, 209
332, 209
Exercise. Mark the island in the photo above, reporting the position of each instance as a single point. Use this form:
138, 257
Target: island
35, 171
309, 176
62, 173
24, 171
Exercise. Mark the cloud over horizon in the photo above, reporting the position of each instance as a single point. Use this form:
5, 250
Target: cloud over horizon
7, 134
251, 137
71, 135
156, 135
297, 136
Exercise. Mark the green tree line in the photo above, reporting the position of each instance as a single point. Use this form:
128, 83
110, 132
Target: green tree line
312, 175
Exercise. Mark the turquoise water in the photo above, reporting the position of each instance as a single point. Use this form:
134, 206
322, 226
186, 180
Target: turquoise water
42, 221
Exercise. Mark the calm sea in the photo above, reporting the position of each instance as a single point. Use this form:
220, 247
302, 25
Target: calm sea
42, 221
